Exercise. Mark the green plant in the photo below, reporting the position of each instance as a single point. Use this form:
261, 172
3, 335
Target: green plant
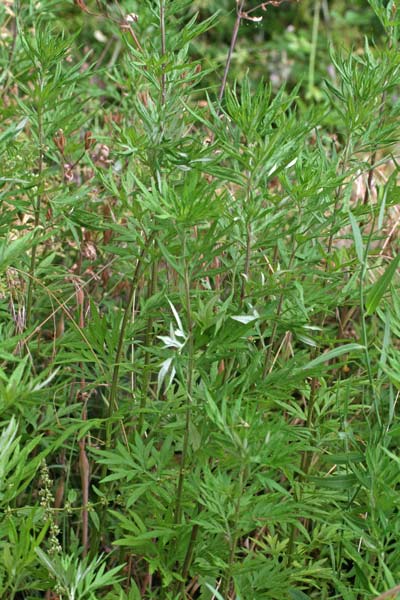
199, 308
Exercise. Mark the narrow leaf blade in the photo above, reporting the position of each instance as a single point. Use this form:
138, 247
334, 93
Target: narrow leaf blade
334, 353
379, 287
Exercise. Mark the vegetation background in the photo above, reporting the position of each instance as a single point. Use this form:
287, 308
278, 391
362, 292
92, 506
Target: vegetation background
199, 308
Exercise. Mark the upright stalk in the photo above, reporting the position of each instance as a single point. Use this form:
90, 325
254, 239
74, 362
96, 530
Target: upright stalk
249, 232
268, 363
235, 538
112, 402
240, 15
189, 386
153, 281
338, 197
314, 43
306, 458
189, 552
364, 334
235, 32
36, 210
163, 51
84, 466
147, 341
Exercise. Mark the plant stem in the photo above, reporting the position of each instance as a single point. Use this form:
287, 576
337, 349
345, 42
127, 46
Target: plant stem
389, 594
364, 335
268, 358
84, 467
189, 555
189, 384
147, 343
37, 206
247, 261
235, 538
121, 339
163, 51
314, 43
235, 31
307, 455
338, 197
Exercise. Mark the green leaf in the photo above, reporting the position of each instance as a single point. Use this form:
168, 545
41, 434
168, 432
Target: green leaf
170, 258
215, 592
378, 289
13, 131
357, 238
163, 533
339, 351
335, 482
94, 517
11, 250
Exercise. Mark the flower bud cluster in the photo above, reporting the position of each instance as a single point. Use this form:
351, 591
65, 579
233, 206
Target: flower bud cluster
46, 502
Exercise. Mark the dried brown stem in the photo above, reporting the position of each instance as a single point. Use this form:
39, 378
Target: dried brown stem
235, 31
389, 593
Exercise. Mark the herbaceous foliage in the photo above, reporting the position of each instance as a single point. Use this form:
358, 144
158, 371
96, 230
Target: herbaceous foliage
199, 312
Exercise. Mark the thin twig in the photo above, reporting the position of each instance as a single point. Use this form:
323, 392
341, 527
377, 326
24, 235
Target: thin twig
389, 593
235, 31
240, 15
263, 5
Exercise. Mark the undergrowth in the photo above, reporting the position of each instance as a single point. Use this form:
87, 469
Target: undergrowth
199, 312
